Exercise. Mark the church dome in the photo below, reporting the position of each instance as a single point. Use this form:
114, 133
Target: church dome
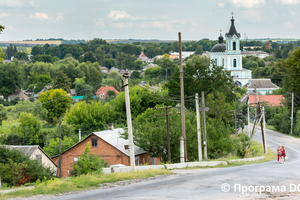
220, 47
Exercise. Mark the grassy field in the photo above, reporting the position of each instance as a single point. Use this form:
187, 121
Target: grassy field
40, 42
83, 182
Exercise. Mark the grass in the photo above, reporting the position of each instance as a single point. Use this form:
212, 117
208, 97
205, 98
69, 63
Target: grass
256, 150
90, 181
271, 127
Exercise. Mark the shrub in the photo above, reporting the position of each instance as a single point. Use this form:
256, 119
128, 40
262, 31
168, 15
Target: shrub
270, 122
88, 163
17, 169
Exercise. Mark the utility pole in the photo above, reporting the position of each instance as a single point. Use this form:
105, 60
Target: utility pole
292, 116
198, 129
79, 134
204, 109
248, 121
255, 101
182, 97
59, 158
235, 126
129, 122
168, 132
264, 130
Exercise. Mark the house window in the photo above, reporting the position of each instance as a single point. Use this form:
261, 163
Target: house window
234, 62
234, 46
101, 96
137, 160
94, 142
38, 158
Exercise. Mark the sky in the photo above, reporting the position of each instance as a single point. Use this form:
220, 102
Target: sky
153, 19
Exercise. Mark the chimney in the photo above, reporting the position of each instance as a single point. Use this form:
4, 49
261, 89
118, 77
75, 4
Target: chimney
110, 126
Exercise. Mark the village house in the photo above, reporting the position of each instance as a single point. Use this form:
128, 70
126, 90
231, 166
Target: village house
101, 92
109, 146
35, 152
17, 94
261, 85
270, 100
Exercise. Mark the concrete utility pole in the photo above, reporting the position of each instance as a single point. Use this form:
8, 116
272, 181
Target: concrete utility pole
168, 132
129, 122
292, 115
264, 130
182, 98
59, 158
249, 121
181, 149
204, 109
198, 129
79, 135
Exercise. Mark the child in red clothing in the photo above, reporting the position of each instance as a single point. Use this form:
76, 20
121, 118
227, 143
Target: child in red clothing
282, 154
278, 153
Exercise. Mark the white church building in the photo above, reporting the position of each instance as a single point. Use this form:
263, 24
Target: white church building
229, 56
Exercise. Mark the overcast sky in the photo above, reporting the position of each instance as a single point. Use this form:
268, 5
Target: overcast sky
152, 19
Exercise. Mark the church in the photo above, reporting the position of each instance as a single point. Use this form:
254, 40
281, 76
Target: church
229, 56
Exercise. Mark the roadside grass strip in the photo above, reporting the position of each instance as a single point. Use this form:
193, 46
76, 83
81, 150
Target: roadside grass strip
90, 181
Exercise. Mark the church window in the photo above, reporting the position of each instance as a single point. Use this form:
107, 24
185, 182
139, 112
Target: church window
216, 61
223, 62
234, 46
234, 62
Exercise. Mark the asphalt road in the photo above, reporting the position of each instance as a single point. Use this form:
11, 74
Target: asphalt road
245, 182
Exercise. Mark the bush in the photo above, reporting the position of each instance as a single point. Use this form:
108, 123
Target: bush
88, 163
17, 169
270, 122
282, 121
240, 143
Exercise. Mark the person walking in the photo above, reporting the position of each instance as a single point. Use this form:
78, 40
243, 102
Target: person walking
282, 154
278, 153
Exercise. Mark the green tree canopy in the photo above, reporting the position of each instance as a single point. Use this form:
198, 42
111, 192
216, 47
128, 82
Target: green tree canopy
62, 81
56, 101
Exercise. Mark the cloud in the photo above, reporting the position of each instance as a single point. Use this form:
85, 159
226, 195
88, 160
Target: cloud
288, 25
221, 5
59, 17
11, 3
123, 25
248, 4
39, 16
3, 15
252, 15
99, 22
292, 13
117, 14
290, 2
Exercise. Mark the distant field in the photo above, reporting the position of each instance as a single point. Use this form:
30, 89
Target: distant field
42, 42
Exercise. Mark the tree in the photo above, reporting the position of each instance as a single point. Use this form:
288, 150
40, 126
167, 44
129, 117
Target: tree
135, 75
43, 58
10, 78
37, 50
10, 51
88, 163
89, 117
110, 94
62, 81
2, 114
109, 63
114, 75
278, 53
21, 55
52, 148
125, 61
89, 56
138, 64
29, 129
56, 101
199, 50
100, 55
200, 76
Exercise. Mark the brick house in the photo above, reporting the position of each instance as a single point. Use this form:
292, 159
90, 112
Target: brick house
107, 145
101, 92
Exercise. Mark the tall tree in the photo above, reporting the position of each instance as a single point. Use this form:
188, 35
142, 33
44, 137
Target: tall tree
56, 101
62, 81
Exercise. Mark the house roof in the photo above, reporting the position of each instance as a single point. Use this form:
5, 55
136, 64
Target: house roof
28, 150
113, 138
261, 83
244, 99
104, 89
272, 100
19, 94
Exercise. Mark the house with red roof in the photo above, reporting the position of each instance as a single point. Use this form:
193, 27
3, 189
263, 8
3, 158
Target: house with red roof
101, 92
271, 100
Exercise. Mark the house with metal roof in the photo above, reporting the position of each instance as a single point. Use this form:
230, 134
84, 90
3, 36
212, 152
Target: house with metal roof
108, 145
261, 85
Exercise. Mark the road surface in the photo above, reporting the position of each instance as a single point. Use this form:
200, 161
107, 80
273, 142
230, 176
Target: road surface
269, 180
